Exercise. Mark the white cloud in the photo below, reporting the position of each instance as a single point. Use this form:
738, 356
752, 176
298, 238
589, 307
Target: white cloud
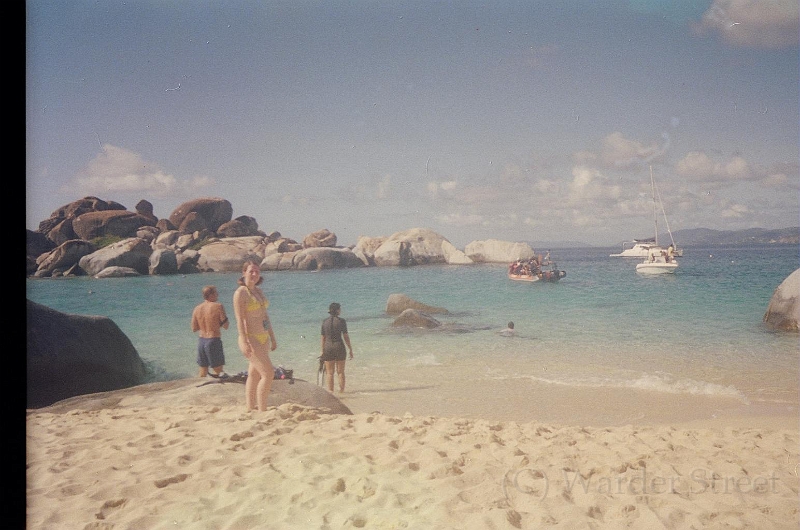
493, 220
776, 180
120, 170
768, 24
435, 188
532, 222
699, 166
620, 152
589, 185
295, 201
546, 186
200, 182
458, 219
735, 211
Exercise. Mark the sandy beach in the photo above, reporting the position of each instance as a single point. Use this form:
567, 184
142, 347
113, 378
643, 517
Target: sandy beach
187, 456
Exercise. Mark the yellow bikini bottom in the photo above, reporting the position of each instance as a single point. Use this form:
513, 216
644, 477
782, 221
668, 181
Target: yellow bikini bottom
262, 337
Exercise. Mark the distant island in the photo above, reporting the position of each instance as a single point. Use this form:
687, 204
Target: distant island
704, 237
697, 237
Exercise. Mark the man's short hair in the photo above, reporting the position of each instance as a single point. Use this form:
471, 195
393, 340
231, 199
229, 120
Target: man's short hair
208, 290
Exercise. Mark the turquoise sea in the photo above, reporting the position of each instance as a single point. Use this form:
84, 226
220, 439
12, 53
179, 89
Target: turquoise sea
698, 332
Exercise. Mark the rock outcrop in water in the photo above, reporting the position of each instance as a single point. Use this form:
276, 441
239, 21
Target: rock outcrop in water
397, 303
783, 312
72, 355
414, 318
89, 235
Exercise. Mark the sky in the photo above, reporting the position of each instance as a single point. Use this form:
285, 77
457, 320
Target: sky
521, 121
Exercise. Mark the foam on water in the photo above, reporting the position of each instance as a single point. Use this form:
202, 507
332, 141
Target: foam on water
427, 359
653, 382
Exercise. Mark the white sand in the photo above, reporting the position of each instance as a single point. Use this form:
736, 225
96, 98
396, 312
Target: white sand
194, 458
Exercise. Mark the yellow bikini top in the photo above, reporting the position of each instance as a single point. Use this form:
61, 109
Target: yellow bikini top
256, 304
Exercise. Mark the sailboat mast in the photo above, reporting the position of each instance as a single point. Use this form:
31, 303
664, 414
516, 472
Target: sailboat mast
663, 211
653, 191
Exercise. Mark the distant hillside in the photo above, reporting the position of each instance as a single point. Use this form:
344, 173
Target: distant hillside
544, 245
701, 237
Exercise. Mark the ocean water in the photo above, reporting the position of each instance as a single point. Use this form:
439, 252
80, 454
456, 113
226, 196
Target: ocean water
698, 332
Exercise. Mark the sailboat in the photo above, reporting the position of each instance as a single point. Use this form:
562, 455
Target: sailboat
658, 260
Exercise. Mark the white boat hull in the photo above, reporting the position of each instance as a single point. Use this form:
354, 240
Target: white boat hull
523, 277
637, 251
642, 251
657, 268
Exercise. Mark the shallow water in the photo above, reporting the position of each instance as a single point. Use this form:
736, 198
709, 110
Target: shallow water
698, 332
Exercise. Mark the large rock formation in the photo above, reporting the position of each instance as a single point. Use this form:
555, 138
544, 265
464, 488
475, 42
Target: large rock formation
320, 238
119, 223
230, 253
145, 209
117, 272
201, 236
416, 246
58, 228
213, 211
62, 232
319, 258
453, 256
163, 261
278, 261
397, 303
366, 246
75, 209
132, 252
495, 251
783, 311
36, 244
242, 226
64, 257
72, 355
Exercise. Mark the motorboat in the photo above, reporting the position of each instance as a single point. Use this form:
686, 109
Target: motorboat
532, 271
523, 277
658, 262
545, 276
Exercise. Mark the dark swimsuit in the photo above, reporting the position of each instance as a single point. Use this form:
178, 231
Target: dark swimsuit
333, 328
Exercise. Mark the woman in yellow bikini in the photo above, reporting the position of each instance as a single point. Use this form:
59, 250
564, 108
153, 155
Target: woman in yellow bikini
256, 338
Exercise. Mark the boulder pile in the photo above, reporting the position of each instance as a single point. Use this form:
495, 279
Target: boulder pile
100, 238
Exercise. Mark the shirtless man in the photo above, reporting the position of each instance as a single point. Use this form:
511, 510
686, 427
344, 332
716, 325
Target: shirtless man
207, 318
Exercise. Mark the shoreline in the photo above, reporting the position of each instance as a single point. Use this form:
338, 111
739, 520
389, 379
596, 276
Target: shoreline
179, 455
529, 401
519, 401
